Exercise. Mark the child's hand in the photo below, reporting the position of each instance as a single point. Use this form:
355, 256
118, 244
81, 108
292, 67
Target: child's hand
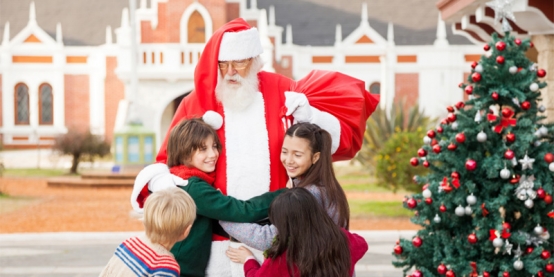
238, 255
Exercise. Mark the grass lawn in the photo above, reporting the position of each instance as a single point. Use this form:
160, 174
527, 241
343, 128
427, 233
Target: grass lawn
361, 208
10, 203
34, 172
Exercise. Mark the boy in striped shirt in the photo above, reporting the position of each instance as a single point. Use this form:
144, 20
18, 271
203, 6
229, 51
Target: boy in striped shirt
168, 217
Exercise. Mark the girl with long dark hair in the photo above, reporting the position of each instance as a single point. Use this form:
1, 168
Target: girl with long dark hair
309, 243
306, 155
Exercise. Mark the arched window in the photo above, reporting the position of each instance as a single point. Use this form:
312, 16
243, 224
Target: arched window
45, 105
375, 88
196, 28
21, 103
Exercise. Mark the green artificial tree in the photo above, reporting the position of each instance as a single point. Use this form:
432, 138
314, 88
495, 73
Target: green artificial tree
486, 203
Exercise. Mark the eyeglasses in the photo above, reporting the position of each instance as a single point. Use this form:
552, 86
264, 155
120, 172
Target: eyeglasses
242, 64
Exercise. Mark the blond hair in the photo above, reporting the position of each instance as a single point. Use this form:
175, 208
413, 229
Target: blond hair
167, 214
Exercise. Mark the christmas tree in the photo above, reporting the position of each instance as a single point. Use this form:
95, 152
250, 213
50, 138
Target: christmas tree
486, 204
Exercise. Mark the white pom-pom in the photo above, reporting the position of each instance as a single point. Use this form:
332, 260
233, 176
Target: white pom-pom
213, 119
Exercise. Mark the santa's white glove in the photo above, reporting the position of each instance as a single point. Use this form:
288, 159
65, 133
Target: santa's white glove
157, 177
297, 104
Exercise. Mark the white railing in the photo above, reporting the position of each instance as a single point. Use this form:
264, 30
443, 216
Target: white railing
169, 56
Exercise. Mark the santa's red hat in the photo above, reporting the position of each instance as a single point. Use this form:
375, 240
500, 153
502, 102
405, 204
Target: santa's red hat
236, 40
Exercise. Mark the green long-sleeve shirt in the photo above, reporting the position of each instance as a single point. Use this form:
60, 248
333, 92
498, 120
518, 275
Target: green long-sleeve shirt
193, 253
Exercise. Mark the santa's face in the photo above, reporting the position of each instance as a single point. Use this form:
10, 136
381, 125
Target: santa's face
297, 156
237, 85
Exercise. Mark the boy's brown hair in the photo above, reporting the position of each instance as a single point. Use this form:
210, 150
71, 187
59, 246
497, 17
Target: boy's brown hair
187, 137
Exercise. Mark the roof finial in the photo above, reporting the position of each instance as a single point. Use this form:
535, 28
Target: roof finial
109, 35
338, 35
364, 12
262, 23
253, 4
288, 35
59, 38
32, 13
142, 4
6, 38
271, 15
390, 34
441, 33
125, 18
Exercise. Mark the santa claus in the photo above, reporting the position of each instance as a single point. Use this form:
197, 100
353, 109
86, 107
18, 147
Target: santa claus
251, 110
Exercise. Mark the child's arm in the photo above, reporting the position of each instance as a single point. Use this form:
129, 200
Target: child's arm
251, 234
213, 204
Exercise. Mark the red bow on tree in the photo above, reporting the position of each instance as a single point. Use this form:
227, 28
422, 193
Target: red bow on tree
445, 185
507, 119
550, 214
494, 234
474, 273
485, 211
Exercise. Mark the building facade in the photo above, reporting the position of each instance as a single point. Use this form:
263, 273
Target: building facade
48, 87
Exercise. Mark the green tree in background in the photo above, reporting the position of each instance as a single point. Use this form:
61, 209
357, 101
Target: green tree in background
81, 145
486, 206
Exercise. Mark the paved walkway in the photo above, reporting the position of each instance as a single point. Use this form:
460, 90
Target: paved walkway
85, 254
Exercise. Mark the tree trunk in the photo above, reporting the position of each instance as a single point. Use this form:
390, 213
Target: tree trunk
75, 163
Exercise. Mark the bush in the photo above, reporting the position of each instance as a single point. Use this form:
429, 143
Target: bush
81, 145
393, 168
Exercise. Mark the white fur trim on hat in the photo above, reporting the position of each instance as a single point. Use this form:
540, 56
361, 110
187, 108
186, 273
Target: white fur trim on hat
213, 119
240, 45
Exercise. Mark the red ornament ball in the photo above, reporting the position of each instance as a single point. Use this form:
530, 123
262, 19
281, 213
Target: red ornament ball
517, 41
505, 274
529, 250
472, 238
425, 187
460, 85
476, 77
541, 73
412, 203
473, 64
548, 199
431, 134
444, 121
495, 96
441, 269
398, 249
486, 274
549, 157
469, 89
541, 193
417, 241
421, 152
531, 44
500, 59
460, 105
428, 201
451, 117
442, 208
549, 268
506, 112
417, 273
511, 137
450, 273
471, 165
425, 163
450, 109
506, 225
500, 46
540, 273
414, 161
434, 142
525, 105
460, 137
440, 129
436, 148
455, 175
545, 255
509, 154
452, 147
487, 47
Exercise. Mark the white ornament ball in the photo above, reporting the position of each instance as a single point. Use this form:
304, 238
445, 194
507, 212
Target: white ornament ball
481, 137
529, 203
505, 173
537, 143
551, 167
543, 130
460, 211
427, 193
513, 69
468, 210
537, 133
437, 219
454, 125
538, 230
542, 108
518, 265
522, 195
534, 87
427, 140
471, 199
479, 68
497, 242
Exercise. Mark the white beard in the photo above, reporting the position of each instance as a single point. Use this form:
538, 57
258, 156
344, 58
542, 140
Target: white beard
237, 97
